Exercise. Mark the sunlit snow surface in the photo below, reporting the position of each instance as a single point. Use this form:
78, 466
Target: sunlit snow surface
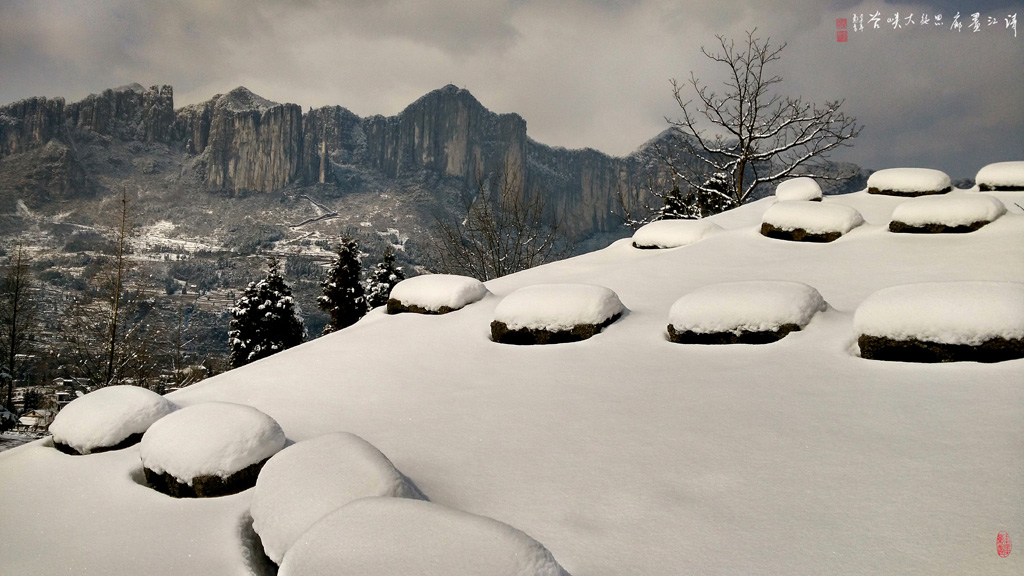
624, 453
753, 306
557, 306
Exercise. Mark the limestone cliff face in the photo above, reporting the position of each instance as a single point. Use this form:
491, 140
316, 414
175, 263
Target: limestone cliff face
330, 136
30, 124
128, 113
241, 142
448, 132
253, 144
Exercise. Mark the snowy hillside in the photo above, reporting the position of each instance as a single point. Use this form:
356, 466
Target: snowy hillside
624, 454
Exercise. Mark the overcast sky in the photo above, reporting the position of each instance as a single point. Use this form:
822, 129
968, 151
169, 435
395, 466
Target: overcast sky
584, 73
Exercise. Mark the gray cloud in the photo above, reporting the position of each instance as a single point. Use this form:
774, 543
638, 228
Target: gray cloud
583, 73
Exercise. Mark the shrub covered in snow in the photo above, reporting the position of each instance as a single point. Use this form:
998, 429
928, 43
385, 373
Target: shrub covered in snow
392, 536
909, 182
673, 233
1001, 176
435, 294
310, 479
209, 449
943, 322
554, 313
110, 418
950, 213
751, 312
808, 222
802, 188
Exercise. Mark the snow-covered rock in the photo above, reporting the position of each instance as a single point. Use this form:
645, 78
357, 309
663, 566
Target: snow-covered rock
212, 439
753, 306
107, 418
909, 182
435, 293
814, 219
951, 212
557, 306
965, 312
673, 233
1001, 176
304, 482
802, 188
390, 536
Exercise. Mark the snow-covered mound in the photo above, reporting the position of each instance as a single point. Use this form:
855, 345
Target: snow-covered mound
304, 482
554, 313
435, 294
909, 182
802, 188
1001, 176
208, 444
753, 311
987, 316
673, 233
809, 221
392, 536
946, 213
107, 419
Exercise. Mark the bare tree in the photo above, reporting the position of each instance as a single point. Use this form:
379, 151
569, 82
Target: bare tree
504, 228
105, 338
758, 136
17, 317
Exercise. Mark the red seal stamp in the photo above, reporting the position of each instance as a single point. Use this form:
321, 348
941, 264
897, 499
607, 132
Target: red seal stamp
1003, 545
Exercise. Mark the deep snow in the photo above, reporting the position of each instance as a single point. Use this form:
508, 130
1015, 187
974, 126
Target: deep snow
435, 291
1002, 174
753, 306
557, 307
814, 217
673, 233
624, 454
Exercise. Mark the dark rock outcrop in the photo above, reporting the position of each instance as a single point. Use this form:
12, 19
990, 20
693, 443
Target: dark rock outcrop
127, 113
29, 124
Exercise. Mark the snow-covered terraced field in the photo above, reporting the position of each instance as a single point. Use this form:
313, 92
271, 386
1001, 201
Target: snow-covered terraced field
624, 454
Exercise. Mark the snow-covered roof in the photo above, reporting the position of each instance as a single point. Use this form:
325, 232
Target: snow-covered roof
625, 453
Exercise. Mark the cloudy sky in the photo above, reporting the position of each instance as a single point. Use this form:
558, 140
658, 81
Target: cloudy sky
584, 73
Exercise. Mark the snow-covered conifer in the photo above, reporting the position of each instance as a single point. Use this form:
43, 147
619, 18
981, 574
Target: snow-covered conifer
382, 279
343, 296
264, 319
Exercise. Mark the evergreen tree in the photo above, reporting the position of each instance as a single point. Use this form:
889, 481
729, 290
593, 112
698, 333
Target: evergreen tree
383, 278
675, 206
264, 319
343, 296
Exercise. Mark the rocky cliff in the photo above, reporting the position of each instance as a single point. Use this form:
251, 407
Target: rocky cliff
241, 142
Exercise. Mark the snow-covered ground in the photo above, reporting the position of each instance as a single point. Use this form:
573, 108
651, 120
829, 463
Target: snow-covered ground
624, 454
909, 180
802, 188
1002, 174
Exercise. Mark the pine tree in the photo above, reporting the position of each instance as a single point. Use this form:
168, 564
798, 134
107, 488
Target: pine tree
264, 319
383, 278
343, 296
675, 206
